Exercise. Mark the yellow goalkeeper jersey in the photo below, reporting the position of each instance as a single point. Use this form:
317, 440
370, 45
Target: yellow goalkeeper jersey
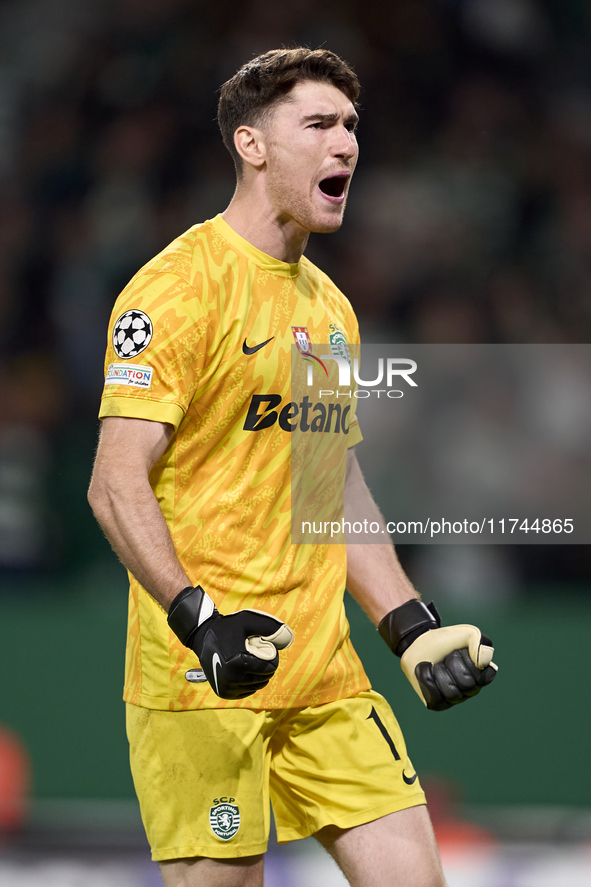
201, 338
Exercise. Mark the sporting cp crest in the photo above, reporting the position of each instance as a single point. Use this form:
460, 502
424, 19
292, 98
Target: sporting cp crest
224, 820
302, 339
338, 343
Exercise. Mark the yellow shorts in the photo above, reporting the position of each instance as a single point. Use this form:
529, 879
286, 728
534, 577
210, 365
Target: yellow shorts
204, 778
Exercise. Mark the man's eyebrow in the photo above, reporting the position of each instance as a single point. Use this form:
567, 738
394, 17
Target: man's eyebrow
330, 118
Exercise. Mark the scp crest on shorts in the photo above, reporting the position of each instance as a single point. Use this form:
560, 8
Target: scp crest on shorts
224, 820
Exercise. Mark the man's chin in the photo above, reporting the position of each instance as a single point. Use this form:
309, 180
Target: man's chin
328, 225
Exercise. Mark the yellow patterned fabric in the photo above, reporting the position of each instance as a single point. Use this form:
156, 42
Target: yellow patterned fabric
342, 763
186, 348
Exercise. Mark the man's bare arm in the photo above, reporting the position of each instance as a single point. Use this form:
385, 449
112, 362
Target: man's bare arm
445, 666
125, 506
374, 575
238, 653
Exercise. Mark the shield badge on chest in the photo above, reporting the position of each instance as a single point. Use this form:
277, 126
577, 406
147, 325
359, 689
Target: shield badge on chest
302, 339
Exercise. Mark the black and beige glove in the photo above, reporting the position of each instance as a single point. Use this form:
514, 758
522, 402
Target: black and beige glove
444, 665
238, 653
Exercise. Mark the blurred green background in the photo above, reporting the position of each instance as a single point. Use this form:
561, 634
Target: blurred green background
524, 740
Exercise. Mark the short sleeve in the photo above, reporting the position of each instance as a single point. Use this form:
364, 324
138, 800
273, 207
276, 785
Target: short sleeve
156, 349
355, 435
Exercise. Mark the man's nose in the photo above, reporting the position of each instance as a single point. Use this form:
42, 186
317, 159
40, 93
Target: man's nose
345, 144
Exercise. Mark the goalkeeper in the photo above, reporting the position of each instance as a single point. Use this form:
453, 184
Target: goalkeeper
241, 683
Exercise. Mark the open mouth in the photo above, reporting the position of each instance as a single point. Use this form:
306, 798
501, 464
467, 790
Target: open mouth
334, 186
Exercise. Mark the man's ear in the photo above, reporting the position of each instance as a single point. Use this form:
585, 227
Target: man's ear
250, 144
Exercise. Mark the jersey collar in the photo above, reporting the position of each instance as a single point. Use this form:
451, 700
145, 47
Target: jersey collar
273, 266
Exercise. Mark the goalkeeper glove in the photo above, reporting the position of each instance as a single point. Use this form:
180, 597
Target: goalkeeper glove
238, 653
444, 665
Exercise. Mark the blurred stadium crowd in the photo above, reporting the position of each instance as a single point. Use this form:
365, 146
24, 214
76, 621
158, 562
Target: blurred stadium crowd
469, 220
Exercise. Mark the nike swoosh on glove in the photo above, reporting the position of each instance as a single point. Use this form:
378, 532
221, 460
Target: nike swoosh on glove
239, 652
445, 666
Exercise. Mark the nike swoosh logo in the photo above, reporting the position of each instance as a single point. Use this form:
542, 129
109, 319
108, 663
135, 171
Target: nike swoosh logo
195, 675
216, 662
408, 779
254, 348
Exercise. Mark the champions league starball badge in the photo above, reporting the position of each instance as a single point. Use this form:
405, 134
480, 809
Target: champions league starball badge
224, 820
132, 333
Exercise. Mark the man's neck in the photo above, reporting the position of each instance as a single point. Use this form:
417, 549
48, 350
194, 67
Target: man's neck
256, 221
